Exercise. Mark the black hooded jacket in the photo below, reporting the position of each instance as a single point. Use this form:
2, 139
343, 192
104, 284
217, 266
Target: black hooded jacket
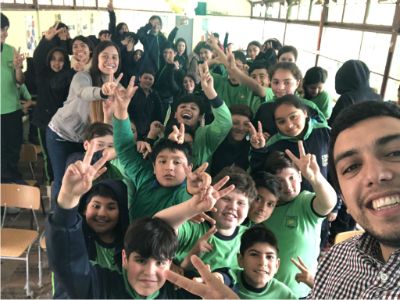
52, 87
352, 84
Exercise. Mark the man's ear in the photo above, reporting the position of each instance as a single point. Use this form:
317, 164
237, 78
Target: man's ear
124, 260
240, 260
278, 264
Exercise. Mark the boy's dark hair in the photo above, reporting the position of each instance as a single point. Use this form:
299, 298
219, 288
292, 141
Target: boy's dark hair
290, 100
148, 71
268, 181
98, 129
62, 25
99, 190
239, 55
94, 70
289, 66
200, 46
151, 237
104, 31
83, 39
277, 161
352, 115
165, 143
258, 64
240, 178
315, 75
169, 45
258, 234
4, 21
254, 43
286, 49
242, 110
191, 98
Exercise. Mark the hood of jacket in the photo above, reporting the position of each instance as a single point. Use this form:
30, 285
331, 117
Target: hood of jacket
352, 75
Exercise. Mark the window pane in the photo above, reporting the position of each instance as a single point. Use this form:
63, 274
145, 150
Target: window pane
58, 2
381, 13
340, 44
395, 67
68, 2
375, 45
316, 12
293, 11
335, 11
7, 1
354, 11
303, 9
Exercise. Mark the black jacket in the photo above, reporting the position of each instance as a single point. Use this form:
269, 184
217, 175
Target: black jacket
352, 84
52, 87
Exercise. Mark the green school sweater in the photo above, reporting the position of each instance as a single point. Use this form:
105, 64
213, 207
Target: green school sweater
324, 102
9, 91
208, 138
225, 248
274, 289
297, 228
149, 197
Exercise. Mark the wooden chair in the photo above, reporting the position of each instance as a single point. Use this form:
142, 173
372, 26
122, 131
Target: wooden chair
16, 243
29, 154
342, 236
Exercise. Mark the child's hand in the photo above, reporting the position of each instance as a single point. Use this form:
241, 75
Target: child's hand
201, 217
207, 82
212, 40
257, 138
122, 98
78, 179
177, 135
210, 289
304, 276
109, 153
197, 181
52, 32
202, 246
110, 6
26, 104
156, 130
144, 148
307, 164
18, 59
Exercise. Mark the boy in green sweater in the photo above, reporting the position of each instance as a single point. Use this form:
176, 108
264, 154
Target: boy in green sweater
259, 259
222, 246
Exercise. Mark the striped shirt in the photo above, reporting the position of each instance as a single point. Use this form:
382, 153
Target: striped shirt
355, 269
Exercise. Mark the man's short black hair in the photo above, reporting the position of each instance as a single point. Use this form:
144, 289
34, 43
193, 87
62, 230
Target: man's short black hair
241, 179
98, 129
277, 161
241, 110
151, 237
191, 98
268, 181
104, 31
165, 143
258, 234
352, 115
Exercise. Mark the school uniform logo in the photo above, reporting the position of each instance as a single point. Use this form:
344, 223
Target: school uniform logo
292, 221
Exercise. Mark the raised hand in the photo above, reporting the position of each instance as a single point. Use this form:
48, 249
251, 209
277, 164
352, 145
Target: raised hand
212, 40
211, 288
156, 130
207, 82
144, 148
305, 275
257, 137
78, 179
122, 98
197, 181
18, 58
177, 135
110, 6
202, 246
201, 217
109, 87
52, 32
306, 163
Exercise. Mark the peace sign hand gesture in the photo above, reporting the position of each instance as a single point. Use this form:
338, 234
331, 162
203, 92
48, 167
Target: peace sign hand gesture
109, 87
52, 32
257, 138
78, 179
122, 98
307, 164
177, 135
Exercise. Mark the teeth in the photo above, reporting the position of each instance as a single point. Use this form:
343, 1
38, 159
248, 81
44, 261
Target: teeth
186, 116
386, 202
